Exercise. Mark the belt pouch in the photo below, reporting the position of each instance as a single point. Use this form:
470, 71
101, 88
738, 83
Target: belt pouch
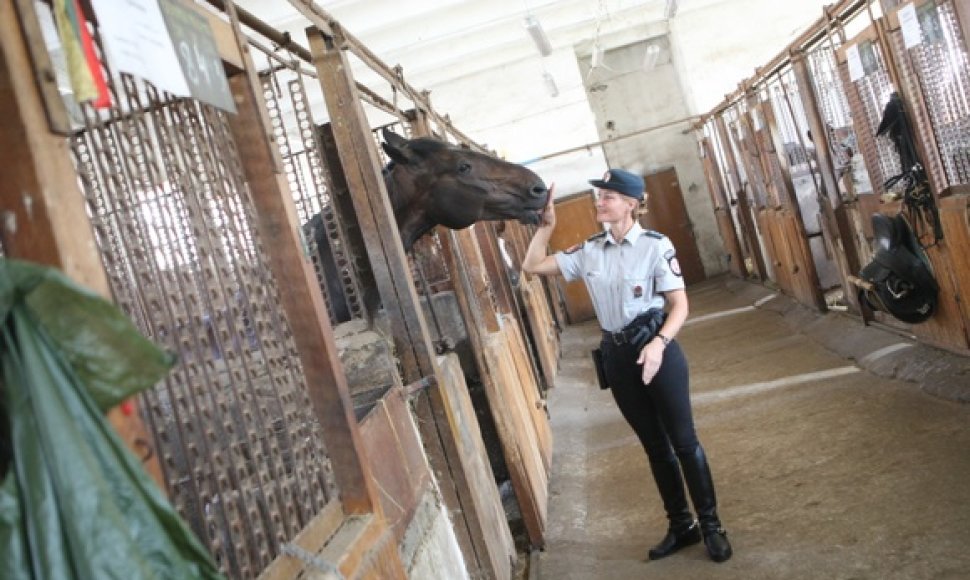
600, 368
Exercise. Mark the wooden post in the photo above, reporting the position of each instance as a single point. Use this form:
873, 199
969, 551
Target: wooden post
838, 230
783, 185
744, 208
43, 217
722, 210
432, 417
361, 166
306, 312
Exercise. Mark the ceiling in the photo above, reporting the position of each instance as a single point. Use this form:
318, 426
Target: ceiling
436, 41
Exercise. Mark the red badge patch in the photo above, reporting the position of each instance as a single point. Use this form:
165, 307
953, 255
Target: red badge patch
638, 291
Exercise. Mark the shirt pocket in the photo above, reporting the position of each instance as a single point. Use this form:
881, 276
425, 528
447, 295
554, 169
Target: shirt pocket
637, 290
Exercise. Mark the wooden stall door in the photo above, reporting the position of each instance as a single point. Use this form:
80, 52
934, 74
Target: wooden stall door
575, 221
667, 214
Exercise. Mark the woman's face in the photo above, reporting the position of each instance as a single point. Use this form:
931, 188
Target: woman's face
612, 207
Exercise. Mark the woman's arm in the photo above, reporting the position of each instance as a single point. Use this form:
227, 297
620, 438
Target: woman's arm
653, 353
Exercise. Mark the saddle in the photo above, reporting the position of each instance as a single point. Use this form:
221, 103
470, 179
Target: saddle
899, 279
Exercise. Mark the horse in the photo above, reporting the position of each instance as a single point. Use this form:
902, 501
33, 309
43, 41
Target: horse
430, 183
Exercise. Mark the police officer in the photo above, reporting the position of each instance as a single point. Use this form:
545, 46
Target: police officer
631, 274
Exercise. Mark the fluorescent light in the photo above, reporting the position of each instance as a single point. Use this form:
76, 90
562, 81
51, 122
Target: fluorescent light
650, 57
538, 35
550, 82
596, 58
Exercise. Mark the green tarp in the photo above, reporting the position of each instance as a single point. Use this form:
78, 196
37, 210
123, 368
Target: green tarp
74, 501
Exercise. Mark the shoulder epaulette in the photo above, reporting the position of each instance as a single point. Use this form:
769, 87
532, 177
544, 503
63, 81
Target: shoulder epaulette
598, 236
653, 234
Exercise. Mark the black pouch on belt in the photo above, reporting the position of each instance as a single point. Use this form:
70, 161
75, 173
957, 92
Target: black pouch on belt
600, 369
649, 324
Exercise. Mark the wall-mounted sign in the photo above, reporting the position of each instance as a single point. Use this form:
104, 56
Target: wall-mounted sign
168, 45
195, 47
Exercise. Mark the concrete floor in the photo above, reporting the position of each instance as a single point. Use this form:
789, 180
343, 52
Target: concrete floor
826, 466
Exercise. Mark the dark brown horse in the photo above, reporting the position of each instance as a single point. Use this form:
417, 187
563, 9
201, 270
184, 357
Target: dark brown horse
430, 182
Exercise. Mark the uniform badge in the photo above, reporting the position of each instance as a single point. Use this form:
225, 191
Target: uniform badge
638, 291
674, 266
672, 263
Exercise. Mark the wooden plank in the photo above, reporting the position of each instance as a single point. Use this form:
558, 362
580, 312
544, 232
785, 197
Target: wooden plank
722, 210
531, 395
43, 70
520, 450
948, 326
955, 216
488, 504
397, 463
44, 218
543, 326
312, 538
362, 170
745, 217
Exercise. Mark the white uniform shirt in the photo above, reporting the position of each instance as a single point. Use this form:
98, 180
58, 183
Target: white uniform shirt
624, 279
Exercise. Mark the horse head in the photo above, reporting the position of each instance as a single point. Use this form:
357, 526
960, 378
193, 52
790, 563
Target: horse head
431, 182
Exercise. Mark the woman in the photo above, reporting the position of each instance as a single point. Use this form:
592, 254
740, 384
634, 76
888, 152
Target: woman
631, 273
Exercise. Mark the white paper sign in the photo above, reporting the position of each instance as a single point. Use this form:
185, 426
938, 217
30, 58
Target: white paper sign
137, 41
856, 71
908, 21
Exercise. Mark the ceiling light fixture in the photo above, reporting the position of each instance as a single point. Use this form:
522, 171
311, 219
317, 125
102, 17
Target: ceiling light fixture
538, 35
550, 83
650, 57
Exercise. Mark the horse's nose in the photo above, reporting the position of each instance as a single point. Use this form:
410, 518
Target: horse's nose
539, 189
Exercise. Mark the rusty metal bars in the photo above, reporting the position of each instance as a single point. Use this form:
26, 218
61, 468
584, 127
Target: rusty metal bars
241, 451
941, 65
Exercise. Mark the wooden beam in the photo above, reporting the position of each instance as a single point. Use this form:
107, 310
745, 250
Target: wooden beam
43, 217
362, 170
722, 210
745, 217
281, 238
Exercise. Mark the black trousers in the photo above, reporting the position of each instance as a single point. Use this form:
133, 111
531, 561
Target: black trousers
659, 413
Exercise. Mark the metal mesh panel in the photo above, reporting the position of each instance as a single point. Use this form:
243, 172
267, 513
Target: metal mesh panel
240, 448
941, 64
867, 97
310, 184
833, 105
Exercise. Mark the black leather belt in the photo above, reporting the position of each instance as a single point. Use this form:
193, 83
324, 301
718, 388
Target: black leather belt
642, 327
624, 336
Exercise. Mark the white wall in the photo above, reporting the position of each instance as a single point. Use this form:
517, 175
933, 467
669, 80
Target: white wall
711, 47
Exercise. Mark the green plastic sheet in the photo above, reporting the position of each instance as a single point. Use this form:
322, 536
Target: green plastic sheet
74, 501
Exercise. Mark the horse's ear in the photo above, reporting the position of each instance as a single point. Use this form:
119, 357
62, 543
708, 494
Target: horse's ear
395, 146
398, 155
393, 138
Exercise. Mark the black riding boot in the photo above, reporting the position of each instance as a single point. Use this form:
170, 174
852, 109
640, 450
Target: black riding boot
682, 530
701, 487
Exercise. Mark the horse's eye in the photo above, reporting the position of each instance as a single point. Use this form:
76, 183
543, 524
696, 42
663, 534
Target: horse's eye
464, 168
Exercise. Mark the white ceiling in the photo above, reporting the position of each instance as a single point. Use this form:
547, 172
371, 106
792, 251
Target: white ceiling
436, 41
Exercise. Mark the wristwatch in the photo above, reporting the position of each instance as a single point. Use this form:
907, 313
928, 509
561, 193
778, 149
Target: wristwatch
663, 339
